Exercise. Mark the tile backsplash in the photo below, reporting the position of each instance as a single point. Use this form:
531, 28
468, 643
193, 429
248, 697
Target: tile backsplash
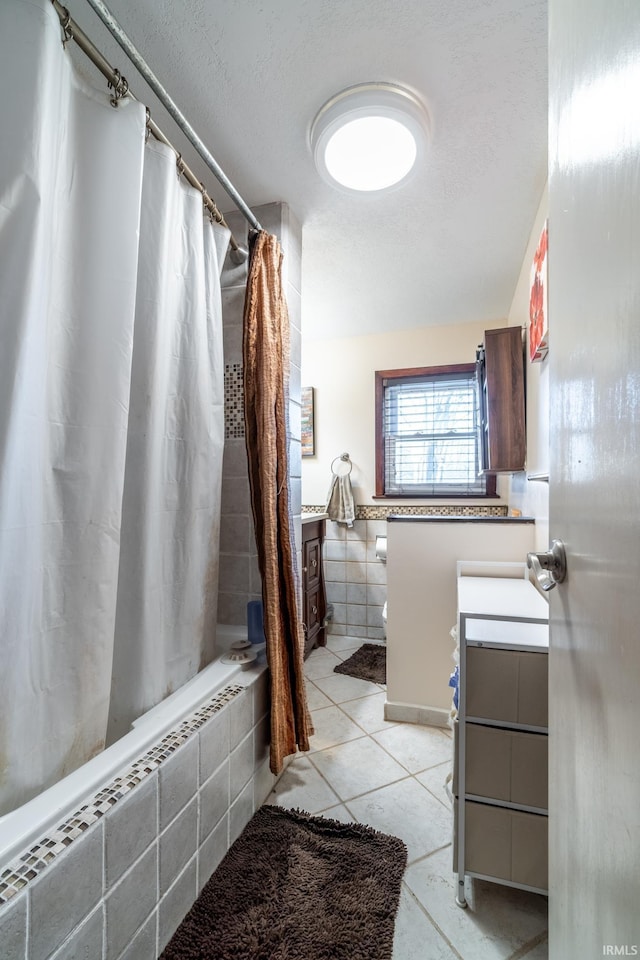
374, 512
355, 580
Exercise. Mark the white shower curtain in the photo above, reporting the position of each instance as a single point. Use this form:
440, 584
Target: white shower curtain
171, 507
110, 413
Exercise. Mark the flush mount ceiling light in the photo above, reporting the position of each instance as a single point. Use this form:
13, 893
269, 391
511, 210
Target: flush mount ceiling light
369, 137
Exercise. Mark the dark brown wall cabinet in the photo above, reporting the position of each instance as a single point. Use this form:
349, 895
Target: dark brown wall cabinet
500, 374
313, 594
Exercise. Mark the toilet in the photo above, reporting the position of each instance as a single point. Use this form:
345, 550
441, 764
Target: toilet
381, 554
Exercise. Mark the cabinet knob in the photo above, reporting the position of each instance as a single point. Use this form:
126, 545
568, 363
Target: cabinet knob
304, 569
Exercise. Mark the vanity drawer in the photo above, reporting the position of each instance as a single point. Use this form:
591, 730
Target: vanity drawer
510, 686
312, 561
313, 610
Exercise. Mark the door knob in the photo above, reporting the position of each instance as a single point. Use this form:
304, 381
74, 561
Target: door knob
549, 567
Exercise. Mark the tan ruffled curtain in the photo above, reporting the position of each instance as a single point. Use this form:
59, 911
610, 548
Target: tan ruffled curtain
266, 399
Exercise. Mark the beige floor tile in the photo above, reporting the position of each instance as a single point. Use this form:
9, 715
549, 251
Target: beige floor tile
368, 712
302, 786
339, 644
539, 952
332, 726
357, 767
340, 813
340, 688
498, 921
415, 937
347, 652
434, 780
320, 663
415, 747
406, 810
316, 699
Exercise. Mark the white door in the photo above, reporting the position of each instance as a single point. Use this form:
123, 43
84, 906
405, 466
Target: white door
594, 312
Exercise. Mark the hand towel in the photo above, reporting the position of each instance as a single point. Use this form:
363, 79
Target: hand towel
340, 506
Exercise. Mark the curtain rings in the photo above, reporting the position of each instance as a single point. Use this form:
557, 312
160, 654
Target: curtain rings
67, 32
180, 166
210, 206
120, 87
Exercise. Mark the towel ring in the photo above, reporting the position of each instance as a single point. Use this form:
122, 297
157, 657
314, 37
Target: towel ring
345, 459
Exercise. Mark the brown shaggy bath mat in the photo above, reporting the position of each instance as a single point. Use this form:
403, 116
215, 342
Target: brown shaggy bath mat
297, 887
367, 663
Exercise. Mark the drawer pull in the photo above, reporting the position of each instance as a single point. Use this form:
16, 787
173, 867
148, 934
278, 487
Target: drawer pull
314, 563
314, 610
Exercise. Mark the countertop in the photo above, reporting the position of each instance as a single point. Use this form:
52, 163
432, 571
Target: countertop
309, 517
433, 518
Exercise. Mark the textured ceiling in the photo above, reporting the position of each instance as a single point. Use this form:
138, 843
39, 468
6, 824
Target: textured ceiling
250, 75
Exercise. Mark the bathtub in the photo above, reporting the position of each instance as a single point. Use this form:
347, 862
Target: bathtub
22, 826
134, 834
137, 831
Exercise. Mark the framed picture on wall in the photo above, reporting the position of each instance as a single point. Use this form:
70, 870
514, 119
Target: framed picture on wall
538, 315
308, 435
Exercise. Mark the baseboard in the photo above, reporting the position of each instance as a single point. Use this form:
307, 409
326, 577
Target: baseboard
412, 713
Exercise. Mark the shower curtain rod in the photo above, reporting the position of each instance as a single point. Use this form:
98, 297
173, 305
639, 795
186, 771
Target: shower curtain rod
121, 89
143, 68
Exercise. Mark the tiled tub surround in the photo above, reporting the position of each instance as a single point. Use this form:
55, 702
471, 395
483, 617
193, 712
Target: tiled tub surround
116, 877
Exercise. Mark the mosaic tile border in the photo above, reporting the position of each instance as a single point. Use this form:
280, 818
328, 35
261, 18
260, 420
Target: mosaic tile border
373, 512
30, 864
233, 401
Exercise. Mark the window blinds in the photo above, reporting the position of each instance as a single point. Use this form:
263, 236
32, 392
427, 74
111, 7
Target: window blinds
430, 427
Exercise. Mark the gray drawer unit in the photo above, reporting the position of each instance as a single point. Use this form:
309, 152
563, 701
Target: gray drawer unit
500, 753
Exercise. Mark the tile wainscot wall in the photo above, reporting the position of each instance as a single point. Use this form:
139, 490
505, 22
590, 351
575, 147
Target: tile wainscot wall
113, 880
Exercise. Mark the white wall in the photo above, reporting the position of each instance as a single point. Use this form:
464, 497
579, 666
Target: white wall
342, 373
422, 604
532, 497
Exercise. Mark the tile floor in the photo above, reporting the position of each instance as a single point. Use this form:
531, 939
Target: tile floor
391, 776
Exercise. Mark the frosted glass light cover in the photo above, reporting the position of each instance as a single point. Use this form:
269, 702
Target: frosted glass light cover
370, 153
369, 137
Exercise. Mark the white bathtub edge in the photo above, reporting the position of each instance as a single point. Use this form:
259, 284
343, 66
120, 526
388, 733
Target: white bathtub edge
20, 828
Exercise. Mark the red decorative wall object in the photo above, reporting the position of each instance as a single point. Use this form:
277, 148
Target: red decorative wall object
538, 316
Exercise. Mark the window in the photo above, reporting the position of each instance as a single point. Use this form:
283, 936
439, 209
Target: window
427, 433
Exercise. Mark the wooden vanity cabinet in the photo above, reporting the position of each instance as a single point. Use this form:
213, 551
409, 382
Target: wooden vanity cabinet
313, 591
500, 378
